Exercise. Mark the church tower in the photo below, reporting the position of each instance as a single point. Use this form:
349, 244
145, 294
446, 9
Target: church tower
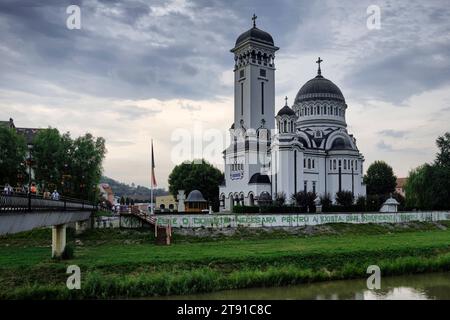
254, 79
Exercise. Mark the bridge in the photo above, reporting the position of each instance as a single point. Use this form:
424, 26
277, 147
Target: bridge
23, 212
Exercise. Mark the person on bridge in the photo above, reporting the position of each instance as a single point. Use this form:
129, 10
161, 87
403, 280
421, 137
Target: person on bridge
46, 194
55, 195
33, 189
7, 189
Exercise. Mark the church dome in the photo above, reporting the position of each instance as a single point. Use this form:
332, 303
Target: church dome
257, 35
319, 88
286, 111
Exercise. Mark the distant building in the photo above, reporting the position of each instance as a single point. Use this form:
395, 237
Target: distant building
28, 133
400, 187
167, 202
106, 192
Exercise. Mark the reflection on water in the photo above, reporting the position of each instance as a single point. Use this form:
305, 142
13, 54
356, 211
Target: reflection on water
409, 287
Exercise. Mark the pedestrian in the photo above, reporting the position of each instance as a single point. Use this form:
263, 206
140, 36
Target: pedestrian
55, 195
7, 190
33, 189
46, 194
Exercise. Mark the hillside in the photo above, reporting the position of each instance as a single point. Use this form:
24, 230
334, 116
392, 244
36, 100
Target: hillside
131, 191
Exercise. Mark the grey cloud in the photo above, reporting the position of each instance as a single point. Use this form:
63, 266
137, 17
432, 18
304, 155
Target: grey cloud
383, 146
135, 112
394, 133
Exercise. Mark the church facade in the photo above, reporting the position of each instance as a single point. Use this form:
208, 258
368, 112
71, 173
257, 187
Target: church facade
305, 147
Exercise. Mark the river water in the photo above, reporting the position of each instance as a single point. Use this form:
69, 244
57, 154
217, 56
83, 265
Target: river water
408, 287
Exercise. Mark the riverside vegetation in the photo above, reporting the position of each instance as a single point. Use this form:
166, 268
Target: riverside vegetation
126, 264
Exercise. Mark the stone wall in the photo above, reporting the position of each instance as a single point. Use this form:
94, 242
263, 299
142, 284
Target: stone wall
295, 220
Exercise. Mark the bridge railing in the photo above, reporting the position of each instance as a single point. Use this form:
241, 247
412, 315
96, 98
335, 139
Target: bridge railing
22, 202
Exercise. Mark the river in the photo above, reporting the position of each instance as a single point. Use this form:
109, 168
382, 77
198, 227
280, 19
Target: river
408, 287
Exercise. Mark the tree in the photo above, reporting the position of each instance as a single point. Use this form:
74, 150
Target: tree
86, 165
73, 165
380, 178
443, 156
48, 156
13, 150
198, 175
428, 188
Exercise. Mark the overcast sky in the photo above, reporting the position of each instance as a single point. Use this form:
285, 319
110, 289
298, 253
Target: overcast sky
139, 69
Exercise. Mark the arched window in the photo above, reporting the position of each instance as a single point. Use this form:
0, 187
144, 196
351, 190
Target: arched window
345, 164
331, 165
313, 163
309, 163
292, 126
304, 162
334, 164
285, 126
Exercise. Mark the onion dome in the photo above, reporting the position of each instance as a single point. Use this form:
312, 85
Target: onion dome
319, 88
286, 110
256, 35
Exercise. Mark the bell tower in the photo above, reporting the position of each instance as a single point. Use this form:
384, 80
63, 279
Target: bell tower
254, 79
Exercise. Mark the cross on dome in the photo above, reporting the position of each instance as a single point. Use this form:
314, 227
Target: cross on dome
254, 20
319, 61
286, 99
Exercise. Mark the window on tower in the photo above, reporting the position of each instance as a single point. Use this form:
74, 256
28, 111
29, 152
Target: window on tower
242, 73
262, 72
262, 97
242, 98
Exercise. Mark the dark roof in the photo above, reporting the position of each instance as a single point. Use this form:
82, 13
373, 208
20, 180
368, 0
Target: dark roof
28, 133
257, 35
319, 88
259, 178
341, 144
195, 196
286, 111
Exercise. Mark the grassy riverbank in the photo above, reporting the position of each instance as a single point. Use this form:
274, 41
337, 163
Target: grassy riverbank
118, 263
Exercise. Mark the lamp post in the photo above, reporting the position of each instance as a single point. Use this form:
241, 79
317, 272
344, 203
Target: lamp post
30, 161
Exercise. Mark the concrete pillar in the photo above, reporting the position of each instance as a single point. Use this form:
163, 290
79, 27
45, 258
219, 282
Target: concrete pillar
58, 240
80, 227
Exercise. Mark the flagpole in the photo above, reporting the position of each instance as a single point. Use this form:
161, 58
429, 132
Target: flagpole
151, 183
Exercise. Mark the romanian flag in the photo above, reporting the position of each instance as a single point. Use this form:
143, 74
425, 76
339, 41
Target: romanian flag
153, 169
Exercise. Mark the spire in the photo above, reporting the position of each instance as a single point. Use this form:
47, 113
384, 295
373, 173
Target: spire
254, 20
319, 61
286, 99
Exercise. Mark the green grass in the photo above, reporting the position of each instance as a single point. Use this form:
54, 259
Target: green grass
123, 263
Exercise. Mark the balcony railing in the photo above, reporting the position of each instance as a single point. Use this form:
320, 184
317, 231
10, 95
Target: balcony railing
22, 202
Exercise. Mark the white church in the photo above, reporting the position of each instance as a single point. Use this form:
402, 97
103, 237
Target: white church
305, 147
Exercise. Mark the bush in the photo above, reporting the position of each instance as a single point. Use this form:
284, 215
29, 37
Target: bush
280, 199
305, 200
345, 198
326, 202
68, 253
361, 203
